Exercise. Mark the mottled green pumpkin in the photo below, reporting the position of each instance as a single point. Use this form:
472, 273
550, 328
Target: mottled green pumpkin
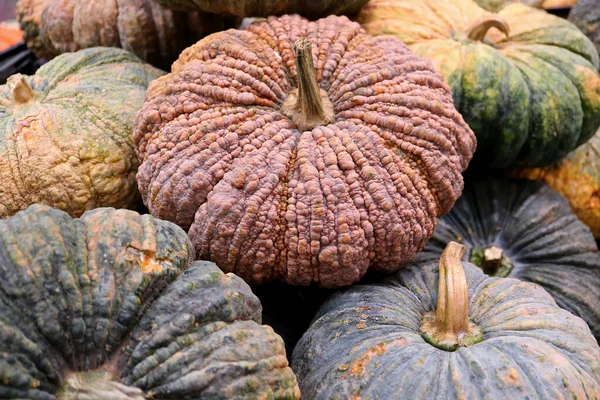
264, 8
497, 5
65, 132
486, 338
525, 81
586, 16
525, 230
109, 306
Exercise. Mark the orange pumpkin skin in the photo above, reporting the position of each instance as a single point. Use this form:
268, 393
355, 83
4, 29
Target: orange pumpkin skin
271, 201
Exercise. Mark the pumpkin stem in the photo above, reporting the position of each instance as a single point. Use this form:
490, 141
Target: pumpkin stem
492, 261
449, 327
308, 106
479, 28
20, 89
96, 385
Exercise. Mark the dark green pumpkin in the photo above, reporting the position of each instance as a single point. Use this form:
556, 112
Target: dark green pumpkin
541, 239
372, 342
106, 307
585, 14
524, 80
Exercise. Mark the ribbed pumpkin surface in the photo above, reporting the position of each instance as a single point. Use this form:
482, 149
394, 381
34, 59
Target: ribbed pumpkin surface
107, 293
543, 240
365, 343
530, 98
69, 144
265, 8
156, 35
585, 14
577, 178
269, 201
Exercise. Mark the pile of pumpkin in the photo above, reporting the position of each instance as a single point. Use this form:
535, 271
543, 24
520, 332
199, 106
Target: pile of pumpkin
139, 207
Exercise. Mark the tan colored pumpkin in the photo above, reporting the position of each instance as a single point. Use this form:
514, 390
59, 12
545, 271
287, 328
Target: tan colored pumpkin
65, 132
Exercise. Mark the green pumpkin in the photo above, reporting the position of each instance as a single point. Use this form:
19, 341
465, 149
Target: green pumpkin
497, 5
525, 230
108, 306
525, 81
586, 16
447, 331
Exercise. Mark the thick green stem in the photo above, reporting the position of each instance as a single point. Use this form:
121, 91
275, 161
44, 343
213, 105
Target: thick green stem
308, 106
20, 89
448, 327
478, 30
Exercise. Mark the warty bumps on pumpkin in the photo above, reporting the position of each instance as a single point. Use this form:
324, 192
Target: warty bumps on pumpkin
156, 35
309, 185
65, 133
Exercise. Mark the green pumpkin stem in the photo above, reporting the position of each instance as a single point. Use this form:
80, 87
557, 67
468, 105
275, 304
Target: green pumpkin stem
448, 327
96, 385
308, 106
20, 89
479, 29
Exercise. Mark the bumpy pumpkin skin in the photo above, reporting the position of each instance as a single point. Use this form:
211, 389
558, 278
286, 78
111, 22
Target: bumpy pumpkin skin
577, 178
267, 201
156, 35
108, 292
497, 5
365, 343
530, 98
585, 14
537, 231
70, 145
266, 8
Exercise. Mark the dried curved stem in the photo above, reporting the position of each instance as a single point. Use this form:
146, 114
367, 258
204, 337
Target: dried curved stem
309, 105
479, 29
448, 327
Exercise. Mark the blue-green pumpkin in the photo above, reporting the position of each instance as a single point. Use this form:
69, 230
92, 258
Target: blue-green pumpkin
445, 330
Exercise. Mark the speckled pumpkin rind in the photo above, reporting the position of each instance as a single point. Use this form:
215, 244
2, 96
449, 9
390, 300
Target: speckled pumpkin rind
530, 98
107, 292
70, 146
539, 234
577, 178
156, 35
365, 343
585, 14
497, 5
265, 8
268, 202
